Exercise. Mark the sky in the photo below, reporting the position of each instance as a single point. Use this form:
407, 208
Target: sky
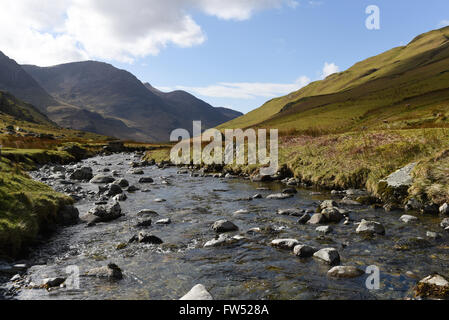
230, 53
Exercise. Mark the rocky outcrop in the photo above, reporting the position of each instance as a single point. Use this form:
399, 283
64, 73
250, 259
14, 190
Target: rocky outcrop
394, 189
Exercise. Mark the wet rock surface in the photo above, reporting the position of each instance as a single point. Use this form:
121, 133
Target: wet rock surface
241, 263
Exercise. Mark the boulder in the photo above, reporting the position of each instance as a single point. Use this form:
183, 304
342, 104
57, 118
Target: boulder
394, 189
332, 215
370, 228
198, 293
328, 255
223, 226
103, 214
304, 251
287, 244
345, 272
164, 221
83, 174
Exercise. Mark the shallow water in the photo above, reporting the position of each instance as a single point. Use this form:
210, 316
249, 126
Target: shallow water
249, 269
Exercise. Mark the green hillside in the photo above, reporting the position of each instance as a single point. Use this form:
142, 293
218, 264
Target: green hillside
405, 87
10, 105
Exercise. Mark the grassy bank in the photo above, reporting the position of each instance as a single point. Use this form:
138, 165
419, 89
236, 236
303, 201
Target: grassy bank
361, 159
27, 208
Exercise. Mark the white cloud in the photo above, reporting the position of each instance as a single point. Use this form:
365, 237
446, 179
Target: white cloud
328, 69
55, 31
244, 90
444, 23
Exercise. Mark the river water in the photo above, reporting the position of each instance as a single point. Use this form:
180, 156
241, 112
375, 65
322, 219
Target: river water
248, 269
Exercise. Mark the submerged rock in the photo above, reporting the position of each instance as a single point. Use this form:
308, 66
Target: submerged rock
198, 293
291, 212
102, 179
345, 272
324, 230
148, 238
408, 218
111, 272
280, 196
412, 244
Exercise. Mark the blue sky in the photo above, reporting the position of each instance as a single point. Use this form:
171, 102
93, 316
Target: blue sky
280, 45
232, 53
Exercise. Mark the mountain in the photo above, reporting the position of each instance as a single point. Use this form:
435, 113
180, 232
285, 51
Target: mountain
118, 95
406, 87
19, 110
15, 80
184, 102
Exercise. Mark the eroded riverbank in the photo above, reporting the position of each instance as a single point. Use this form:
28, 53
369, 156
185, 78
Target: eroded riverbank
247, 267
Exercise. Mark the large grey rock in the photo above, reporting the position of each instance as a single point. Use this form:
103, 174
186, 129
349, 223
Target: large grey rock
223, 226
328, 255
103, 214
370, 228
345, 272
198, 293
83, 174
394, 189
328, 204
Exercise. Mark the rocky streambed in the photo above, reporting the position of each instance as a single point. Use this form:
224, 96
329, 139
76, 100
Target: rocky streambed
149, 232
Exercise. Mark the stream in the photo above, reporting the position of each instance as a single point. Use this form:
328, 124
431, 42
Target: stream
249, 268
